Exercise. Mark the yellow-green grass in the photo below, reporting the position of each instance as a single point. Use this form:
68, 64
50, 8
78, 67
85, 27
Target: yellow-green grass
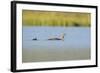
55, 18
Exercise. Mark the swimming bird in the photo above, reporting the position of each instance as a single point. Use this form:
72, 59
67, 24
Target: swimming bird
58, 38
34, 39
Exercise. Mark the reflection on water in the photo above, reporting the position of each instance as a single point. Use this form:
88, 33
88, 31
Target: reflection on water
76, 44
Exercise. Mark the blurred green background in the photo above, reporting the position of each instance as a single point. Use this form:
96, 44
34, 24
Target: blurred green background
55, 18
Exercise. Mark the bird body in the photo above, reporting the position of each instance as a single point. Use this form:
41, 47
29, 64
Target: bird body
54, 38
34, 39
58, 38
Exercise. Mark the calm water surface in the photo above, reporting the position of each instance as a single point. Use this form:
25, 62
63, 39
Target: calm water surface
76, 44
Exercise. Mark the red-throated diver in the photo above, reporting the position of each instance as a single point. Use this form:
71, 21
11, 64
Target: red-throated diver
58, 38
54, 38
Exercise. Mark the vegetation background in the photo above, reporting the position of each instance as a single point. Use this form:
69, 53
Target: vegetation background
55, 18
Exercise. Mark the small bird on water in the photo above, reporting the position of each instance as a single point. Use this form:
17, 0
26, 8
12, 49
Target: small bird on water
58, 38
34, 39
54, 38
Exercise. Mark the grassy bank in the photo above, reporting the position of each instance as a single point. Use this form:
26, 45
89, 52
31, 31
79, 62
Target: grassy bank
52, 18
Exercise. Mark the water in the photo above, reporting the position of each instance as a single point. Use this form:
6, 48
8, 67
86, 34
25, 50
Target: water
76, 44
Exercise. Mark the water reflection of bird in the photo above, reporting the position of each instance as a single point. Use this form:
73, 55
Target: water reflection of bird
58, 38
